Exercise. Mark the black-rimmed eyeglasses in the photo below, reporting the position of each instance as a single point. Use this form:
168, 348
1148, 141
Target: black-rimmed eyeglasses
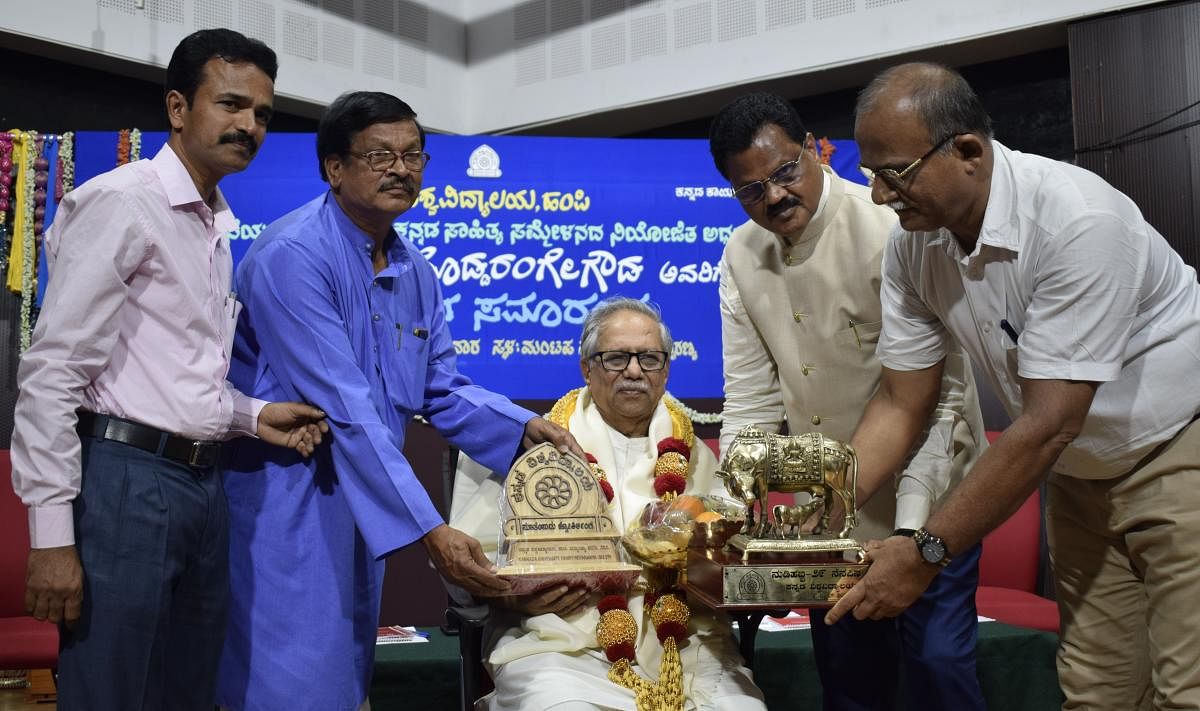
616, 361
895, 178
786, 174
381, 160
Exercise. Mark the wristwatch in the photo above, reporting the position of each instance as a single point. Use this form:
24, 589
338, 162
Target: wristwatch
931, 547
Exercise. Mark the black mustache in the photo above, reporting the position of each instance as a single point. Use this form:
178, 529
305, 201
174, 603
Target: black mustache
785, 204
406, 183
245, 140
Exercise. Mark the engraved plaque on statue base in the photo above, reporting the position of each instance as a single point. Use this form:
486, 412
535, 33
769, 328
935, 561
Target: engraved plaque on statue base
735, 578
557, 530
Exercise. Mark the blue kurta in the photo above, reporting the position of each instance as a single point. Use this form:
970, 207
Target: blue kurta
308, 538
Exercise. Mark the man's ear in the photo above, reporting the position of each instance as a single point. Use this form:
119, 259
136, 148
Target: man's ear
970, 148
177, 108
810, 144
585, 370
333, 170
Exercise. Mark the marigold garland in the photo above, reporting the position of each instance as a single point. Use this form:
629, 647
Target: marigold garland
671, 469
617, 630
123, 146
826, 150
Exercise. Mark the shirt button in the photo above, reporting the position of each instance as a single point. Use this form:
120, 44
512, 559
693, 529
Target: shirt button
376, 317
804, 369
987, 327
797, 316
816, 419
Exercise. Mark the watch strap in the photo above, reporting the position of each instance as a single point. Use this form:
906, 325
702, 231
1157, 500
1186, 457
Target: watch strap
921, 536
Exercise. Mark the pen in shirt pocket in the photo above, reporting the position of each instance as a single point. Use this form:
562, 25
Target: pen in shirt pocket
422, 333
1008, 328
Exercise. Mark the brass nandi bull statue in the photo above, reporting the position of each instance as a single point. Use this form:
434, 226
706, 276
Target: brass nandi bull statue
758, 463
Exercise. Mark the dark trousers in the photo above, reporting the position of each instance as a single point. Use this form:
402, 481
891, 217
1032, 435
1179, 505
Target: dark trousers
859, 662
153, 538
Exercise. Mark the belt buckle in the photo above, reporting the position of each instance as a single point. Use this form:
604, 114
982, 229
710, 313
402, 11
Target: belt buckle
197, 456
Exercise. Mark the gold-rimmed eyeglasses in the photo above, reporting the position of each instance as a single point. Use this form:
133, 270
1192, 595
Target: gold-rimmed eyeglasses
895, 178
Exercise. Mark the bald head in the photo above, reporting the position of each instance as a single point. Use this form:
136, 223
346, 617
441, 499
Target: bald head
937, 96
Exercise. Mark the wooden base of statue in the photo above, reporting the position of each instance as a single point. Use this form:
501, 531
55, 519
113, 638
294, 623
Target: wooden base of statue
762, 574
557, 530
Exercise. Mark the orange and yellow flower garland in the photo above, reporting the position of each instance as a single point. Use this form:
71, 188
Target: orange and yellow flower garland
617, 630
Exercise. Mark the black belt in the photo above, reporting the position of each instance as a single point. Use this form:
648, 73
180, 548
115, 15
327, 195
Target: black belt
194, 453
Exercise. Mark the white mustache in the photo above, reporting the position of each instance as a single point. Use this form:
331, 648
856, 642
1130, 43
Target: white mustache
897, 204
633, 385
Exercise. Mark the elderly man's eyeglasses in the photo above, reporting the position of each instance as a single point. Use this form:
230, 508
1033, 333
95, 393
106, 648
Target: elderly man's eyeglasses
381, 160
896, 178
616, 361
786, 174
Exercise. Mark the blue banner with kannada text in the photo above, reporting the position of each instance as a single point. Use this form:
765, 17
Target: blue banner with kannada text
526, 234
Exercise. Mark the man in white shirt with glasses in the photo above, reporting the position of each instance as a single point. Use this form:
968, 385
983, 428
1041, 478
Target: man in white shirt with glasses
1088, 324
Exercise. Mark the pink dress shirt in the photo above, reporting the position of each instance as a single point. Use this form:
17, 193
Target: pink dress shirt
138, 322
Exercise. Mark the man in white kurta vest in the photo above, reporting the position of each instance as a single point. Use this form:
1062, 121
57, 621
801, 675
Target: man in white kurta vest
542, 650
800, 317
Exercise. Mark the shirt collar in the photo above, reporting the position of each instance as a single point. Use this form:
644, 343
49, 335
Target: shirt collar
181, 189
1000, 215
399, 260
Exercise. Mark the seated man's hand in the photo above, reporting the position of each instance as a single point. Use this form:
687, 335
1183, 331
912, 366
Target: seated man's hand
540, 430
293, 425
460, 559
559, 600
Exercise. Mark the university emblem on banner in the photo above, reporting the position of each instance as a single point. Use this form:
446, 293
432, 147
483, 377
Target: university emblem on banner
484, 163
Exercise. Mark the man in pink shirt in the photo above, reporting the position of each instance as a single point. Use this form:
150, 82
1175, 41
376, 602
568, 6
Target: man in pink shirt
124, 400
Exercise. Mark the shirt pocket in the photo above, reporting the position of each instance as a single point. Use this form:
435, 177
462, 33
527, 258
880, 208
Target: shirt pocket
859, 336
229, 320
405, 366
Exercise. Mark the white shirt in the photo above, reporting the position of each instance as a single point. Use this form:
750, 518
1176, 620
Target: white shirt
1093, 292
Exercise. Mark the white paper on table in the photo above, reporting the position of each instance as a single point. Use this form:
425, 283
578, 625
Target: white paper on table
400, 635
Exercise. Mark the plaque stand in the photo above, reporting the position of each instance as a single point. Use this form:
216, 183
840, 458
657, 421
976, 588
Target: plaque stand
557, 530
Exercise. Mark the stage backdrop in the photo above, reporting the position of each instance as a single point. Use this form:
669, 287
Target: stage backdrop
526, 234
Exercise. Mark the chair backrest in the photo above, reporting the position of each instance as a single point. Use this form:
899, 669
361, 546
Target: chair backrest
1011, 552
14, 544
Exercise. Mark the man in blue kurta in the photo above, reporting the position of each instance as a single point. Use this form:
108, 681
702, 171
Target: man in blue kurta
342, 313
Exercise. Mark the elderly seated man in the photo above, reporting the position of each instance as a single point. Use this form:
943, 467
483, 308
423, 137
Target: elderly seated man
541, 648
